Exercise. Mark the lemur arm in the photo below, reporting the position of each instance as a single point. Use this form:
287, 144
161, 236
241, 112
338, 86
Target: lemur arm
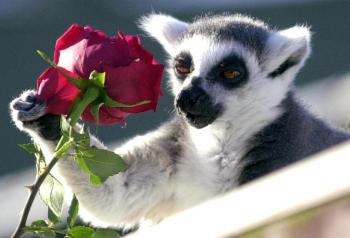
144, 191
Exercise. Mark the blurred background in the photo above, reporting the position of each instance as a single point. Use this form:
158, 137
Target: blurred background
27, 25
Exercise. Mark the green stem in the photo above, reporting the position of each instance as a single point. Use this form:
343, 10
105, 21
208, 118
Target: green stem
90, 95
33, 191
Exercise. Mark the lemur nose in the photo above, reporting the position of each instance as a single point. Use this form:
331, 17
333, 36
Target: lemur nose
192, 99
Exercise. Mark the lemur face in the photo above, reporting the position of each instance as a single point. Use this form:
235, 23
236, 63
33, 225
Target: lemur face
204, 74
225, 65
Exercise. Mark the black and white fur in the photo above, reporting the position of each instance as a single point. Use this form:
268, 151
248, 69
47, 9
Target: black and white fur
225, 133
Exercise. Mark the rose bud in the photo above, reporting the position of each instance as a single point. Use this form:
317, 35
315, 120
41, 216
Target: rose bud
132, 75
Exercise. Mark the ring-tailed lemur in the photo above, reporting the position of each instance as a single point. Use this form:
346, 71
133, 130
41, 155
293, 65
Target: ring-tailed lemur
237, 119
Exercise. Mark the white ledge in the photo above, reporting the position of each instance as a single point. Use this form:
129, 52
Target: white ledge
322, 178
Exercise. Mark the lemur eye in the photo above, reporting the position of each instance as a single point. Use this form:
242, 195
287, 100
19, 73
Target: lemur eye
183, 70
231, 74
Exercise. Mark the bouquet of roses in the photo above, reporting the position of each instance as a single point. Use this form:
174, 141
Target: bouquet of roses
98, 79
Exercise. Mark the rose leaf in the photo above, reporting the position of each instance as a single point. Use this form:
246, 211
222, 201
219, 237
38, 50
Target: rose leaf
52, 216
73, 212
105, 233
41, 229
30, 148
103, 163
80, 232
52, 193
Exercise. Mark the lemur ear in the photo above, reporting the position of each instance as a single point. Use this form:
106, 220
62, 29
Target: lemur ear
287, 50
165, 29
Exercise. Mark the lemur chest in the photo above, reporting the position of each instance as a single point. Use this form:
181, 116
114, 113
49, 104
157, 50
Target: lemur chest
210, 165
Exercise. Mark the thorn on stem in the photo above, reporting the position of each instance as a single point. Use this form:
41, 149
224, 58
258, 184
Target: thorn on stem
30, 187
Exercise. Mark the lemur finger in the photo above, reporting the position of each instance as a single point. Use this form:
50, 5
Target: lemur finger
22, 105
32, 113
28, 96
25, 101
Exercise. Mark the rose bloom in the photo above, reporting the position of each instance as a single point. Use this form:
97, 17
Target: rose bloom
132, 74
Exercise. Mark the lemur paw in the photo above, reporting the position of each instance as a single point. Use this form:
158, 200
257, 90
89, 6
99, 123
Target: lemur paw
30, 114
26, 108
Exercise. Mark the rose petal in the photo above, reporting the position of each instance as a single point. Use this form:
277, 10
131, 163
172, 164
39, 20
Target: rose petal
135, 83
74, 34
92, 52
137, 51
58, 92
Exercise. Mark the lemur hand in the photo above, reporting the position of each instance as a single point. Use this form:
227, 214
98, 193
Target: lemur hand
29, 114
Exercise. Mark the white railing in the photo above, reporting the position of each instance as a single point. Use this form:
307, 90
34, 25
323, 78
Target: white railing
308, 199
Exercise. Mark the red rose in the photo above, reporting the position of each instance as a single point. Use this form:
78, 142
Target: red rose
132, 74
